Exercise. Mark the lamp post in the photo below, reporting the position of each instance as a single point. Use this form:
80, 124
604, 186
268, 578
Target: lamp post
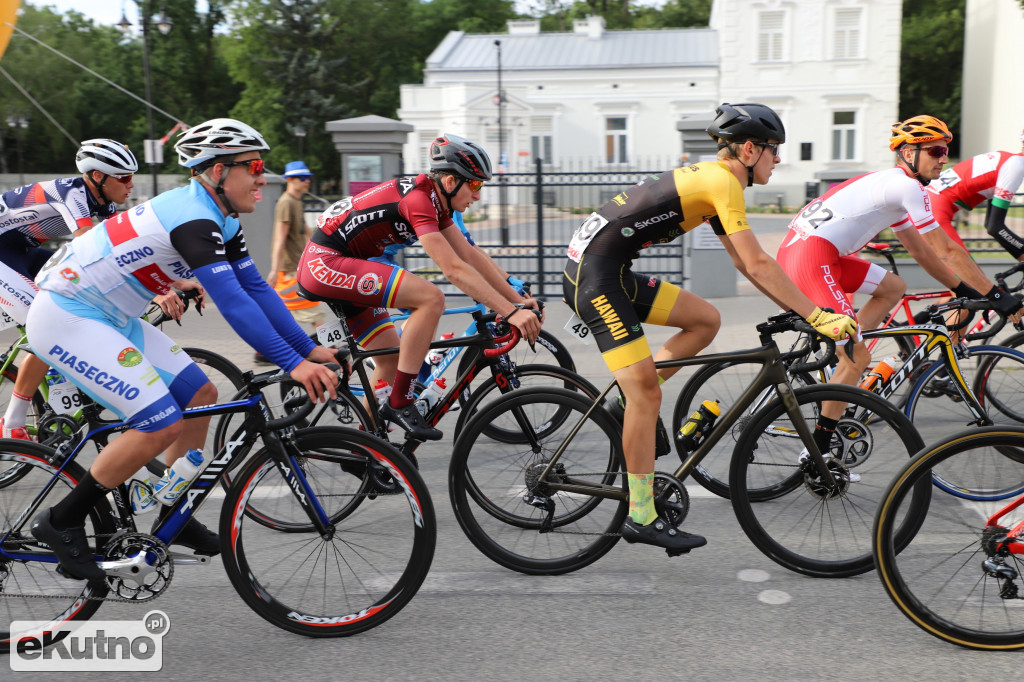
19, 123
163, 23
502, 197
300, 133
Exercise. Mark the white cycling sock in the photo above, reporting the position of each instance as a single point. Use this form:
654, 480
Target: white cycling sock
17, 410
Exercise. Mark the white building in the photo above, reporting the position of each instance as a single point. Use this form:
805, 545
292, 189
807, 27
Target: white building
629, 99
993, 100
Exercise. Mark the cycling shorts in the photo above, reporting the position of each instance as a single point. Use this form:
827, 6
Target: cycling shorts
365, 289
19, 266
613, 301
944, 209
137, 371
815, 266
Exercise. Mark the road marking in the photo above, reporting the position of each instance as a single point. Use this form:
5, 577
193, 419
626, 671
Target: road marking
753, 575
774, 597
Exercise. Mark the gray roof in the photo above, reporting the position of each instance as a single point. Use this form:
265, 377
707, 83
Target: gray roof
614, 49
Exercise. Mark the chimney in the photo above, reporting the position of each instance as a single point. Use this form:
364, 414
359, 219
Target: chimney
592, 26
523, 27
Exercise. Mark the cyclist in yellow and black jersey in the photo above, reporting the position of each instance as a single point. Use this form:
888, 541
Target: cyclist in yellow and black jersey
613, 301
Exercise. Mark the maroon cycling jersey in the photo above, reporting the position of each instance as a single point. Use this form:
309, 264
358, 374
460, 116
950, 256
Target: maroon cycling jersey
397, 212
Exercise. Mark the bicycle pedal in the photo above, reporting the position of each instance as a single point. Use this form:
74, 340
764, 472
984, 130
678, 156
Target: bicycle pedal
676, 552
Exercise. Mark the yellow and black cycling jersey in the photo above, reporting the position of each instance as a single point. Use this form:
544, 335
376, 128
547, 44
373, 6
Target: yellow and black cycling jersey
660, 208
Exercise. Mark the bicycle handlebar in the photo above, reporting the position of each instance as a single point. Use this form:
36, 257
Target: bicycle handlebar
936, 311
790, 321
1000, 278
184, 297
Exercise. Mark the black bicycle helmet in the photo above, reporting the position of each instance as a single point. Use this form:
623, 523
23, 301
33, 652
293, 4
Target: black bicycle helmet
747, 121
460, 157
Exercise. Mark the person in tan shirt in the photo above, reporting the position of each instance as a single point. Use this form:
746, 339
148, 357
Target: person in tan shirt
290, 237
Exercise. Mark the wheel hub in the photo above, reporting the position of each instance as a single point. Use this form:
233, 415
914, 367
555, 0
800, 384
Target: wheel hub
533, 473
827, 490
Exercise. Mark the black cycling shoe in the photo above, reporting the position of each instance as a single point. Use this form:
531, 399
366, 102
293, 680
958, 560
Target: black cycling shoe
195, 536
662, 444
410, 420
661, 533
71, 547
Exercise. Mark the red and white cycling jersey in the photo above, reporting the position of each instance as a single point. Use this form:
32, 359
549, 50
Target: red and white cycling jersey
985, 176
853, 213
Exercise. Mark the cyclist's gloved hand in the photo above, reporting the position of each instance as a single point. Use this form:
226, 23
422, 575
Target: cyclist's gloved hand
836, 326
964, 290
1003, 301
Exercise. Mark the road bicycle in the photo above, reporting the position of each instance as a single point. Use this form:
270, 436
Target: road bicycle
950, 386
554, 500
488, 348
961, 576
358, 541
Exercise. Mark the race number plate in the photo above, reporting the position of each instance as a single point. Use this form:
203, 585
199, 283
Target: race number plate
579, 330
331, 334
65, 398
6, 321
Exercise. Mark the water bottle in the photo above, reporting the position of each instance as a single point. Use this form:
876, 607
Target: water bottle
880, 373
53, 377
429, 395
177, 478
436, 355
698, 425
140, 491
382, 391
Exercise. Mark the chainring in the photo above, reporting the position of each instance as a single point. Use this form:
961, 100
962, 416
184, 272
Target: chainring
149, 582
671, 500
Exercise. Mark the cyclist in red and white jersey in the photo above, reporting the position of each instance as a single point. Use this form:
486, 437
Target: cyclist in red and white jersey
995, 177
36, 213
336, 266
818, 251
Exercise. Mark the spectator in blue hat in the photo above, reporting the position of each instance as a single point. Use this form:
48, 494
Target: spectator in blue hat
290, 237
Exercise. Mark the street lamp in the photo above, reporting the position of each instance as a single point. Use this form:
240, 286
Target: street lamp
163, 23
300, 132
19, 123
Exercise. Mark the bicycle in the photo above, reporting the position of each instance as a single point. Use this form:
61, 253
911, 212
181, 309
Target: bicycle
488, 349
940, 396
553, 500
361, 523
960, 576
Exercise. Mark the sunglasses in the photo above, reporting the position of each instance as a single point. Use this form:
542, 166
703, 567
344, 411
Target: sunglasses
303, 178
123, 179
773, 147
936, 152
475, 185
255, 166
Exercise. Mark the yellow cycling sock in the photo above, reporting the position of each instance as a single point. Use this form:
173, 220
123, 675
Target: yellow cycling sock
641, 498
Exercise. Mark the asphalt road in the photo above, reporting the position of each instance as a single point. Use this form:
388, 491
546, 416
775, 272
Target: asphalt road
723, 612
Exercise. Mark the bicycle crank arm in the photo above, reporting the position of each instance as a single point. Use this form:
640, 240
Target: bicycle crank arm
182, 559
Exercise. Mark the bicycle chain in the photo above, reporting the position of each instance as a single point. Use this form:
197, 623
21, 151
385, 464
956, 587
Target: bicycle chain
4, 594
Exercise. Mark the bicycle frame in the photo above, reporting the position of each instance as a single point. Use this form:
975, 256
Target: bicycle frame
234, 449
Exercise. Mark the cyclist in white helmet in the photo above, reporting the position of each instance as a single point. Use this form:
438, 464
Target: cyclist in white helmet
85, 322
35, 213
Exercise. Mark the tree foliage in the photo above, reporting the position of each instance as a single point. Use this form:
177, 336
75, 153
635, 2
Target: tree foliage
931, 61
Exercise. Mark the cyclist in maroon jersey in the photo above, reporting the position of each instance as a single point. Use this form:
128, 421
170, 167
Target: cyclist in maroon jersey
336, 266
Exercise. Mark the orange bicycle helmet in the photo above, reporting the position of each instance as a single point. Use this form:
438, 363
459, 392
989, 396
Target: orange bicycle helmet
918, 130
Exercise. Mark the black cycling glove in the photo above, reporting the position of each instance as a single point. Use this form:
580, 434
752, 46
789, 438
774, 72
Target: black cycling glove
1003, 301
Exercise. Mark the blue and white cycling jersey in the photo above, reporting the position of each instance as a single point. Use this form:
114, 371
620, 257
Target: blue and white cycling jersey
118, 267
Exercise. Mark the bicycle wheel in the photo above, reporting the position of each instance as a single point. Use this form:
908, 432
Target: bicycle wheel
815, 529
937, 410
724, 382
33, 590
363, 571
488, 479
529, 376
952, 580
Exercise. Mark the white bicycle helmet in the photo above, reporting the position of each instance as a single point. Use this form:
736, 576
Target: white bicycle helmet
109, 157
203, 143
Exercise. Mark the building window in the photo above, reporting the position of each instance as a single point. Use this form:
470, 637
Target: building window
616, 140
847, 38
844, 135
771, 36
540, 148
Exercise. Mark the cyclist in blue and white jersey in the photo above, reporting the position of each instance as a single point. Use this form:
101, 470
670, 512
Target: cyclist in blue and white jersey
85, 323
41, 211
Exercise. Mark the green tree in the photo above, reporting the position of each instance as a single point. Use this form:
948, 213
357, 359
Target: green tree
931, 61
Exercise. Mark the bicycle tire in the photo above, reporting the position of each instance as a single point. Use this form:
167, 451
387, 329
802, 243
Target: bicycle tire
487, 481
725, 382
936, 410
376, 556
33, 578
807, 530
531, 375
938, 580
